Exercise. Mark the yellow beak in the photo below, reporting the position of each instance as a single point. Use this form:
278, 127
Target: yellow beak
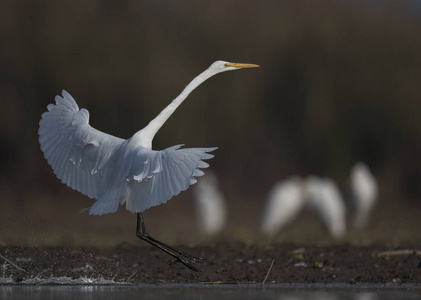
241, 66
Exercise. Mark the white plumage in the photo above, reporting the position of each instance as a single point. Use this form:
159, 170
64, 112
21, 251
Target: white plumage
116, 171
284, 202
110, 169
363, 193
287, 198
210, 204
323, 197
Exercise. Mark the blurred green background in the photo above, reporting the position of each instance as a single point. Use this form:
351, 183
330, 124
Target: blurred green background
339, 83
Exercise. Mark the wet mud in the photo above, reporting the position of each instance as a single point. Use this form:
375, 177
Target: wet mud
230, 263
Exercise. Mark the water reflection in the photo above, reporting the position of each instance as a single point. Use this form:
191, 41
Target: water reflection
203, 292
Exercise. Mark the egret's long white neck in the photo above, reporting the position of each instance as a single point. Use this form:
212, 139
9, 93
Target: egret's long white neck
146, 135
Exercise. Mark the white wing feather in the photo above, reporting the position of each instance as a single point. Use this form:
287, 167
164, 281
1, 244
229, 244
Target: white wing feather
76, 151
111, 169
153, 178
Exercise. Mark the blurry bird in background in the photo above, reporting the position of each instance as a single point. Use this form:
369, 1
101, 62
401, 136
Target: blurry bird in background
210, 205
284, 202
288, 197
362, 195
324, 198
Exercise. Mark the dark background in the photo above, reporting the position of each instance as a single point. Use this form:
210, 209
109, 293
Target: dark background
339, 83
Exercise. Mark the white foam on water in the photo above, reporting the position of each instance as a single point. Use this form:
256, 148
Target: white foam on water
63, 280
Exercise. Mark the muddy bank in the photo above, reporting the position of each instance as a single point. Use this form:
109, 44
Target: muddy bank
225, 263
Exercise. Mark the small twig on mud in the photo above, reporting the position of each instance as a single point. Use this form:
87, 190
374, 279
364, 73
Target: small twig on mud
399, 252
267, 274
12, 263
131, 276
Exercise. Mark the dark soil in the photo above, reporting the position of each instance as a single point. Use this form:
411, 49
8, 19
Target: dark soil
225, 263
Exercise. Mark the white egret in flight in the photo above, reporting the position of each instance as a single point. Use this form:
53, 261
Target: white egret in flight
116, 171
362, 195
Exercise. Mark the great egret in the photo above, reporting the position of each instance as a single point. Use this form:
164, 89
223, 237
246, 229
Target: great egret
116, 171
363, 193
324, 198
288, 197
284, 202
210, 206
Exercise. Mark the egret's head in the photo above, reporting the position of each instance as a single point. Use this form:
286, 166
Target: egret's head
222, 66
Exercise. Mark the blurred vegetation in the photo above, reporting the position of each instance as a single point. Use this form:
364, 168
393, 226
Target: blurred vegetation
339, 83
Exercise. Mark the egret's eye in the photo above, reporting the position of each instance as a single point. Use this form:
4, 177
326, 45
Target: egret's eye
225, 65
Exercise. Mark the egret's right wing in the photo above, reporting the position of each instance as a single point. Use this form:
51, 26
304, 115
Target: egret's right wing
77, 152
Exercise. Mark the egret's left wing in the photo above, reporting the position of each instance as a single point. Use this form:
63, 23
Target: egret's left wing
154, 177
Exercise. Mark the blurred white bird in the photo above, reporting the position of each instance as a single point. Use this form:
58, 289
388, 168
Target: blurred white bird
210, 205
323, 196
284, 202
287, 198
116, 171
362, 194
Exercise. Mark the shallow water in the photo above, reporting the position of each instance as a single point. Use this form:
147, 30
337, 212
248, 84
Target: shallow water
220, 292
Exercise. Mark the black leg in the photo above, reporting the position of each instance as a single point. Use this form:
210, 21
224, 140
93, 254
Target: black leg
182, 253
177, 254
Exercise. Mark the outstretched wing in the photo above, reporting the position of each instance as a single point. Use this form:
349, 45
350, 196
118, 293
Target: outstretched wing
154, 177
76, 151
111, 169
